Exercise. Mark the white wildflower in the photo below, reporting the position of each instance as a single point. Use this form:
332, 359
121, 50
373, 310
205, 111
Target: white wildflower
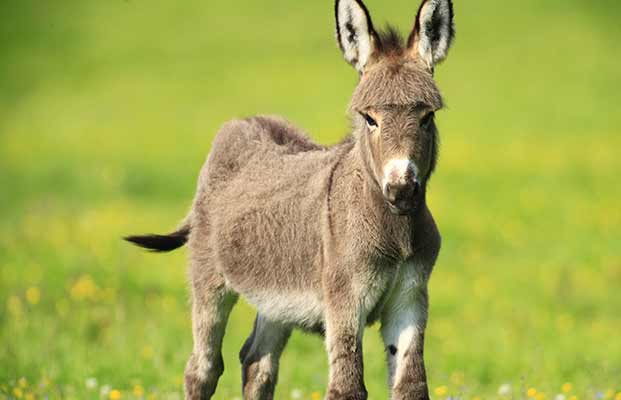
104, 391
505, 389
91, 383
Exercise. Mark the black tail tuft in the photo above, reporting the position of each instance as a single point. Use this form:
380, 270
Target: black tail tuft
161, 243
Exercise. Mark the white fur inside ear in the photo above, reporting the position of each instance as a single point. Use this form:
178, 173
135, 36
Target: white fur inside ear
353, 33
436, 31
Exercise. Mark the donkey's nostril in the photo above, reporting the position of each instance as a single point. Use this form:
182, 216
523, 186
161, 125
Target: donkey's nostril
402, 198
390, 192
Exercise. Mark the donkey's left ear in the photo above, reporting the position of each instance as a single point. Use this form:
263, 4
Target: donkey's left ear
433, 32
354, 32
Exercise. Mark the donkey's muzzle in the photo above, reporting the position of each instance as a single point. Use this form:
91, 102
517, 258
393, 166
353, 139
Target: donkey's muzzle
401, 198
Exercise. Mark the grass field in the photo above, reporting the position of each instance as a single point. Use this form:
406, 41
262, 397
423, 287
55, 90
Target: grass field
107, 111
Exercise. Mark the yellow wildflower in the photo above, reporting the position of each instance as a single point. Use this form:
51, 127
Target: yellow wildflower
17, 392
573, 398
315, 396
532, 392
540, 396
138, 391
84, 288
566, 388
33, 295
441, 391
476, 398
618, 396
609, 393
115, 394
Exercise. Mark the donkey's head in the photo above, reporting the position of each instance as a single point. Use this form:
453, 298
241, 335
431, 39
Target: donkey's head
394, 103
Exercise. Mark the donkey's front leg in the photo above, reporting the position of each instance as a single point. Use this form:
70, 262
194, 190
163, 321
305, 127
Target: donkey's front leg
344, 328
403, 329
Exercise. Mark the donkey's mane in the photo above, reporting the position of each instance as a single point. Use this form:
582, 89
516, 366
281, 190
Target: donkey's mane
391, 41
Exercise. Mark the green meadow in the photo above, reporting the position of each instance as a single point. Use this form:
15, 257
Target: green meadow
107, 112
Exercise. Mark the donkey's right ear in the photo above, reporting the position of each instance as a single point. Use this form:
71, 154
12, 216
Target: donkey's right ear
354, 32
433, 32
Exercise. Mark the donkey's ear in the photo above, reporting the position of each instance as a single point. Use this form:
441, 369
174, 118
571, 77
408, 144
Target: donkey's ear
354, 32
433, 32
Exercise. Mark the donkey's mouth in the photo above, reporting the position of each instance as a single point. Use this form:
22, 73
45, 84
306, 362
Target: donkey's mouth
401, 209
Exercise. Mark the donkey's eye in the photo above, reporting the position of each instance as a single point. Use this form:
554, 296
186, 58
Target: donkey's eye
427, 119
370, 121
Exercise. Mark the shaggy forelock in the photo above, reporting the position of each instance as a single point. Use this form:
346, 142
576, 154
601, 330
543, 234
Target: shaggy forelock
390, 41
396, 81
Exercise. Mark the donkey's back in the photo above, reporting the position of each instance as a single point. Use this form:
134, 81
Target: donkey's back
261, 148
244, 138
257, 161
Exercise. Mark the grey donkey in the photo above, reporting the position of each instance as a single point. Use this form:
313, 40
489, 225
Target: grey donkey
326, 239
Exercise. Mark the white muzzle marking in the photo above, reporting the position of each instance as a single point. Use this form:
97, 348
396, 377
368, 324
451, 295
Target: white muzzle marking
396, 172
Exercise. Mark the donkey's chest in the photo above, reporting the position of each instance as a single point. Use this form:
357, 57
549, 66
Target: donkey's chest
394, 281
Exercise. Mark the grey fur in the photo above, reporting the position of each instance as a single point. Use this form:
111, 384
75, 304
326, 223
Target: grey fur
304, 233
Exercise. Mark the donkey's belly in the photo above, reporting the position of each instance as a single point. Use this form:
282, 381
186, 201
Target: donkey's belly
300, 308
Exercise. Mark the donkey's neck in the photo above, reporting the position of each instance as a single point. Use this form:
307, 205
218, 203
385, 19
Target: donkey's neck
356, 200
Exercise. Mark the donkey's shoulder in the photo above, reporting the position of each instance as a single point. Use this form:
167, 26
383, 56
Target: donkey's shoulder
261, 142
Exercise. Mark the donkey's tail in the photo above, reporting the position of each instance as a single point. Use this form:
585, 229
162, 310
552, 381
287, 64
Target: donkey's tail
163, 243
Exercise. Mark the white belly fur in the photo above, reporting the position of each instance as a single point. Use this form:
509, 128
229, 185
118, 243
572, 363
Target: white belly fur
306, 309
297, 308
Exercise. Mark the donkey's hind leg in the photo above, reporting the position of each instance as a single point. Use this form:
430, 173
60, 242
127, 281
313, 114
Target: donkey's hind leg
211, 306
260, 357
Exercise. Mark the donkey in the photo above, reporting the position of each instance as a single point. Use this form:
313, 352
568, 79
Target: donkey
326, 239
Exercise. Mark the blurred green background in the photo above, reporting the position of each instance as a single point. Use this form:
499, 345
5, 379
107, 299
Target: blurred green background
107, 111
